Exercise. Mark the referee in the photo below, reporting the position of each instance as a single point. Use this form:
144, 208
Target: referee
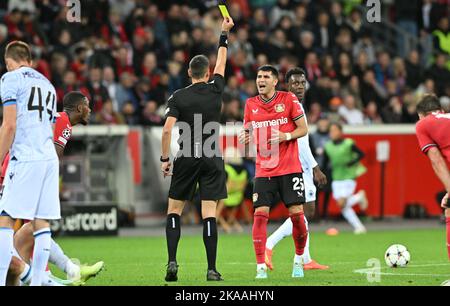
199, 162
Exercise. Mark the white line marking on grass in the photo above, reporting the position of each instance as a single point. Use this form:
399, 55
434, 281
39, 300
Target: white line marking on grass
377, 271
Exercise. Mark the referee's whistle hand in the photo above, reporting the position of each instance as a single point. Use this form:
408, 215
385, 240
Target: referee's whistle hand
165, 168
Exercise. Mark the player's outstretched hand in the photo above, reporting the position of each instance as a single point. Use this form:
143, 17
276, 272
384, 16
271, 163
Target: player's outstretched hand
227, 24
445, 203
319, 177
165, 168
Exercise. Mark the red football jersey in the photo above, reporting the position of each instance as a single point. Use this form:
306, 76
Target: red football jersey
434, 131
63, 129
263, 118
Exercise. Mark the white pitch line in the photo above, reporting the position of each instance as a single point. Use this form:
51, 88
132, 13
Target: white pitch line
379, 272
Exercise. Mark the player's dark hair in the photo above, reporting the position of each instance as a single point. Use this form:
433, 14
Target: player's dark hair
199, 65
269, 68
429, 103
294, 71
72, 100
18, 51
338, 125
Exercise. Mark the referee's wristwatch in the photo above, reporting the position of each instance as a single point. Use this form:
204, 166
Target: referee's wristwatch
164, 160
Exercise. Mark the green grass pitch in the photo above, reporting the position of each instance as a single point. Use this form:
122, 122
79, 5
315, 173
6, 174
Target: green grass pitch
141, 261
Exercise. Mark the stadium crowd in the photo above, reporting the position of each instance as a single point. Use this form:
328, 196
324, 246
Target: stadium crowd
129, 56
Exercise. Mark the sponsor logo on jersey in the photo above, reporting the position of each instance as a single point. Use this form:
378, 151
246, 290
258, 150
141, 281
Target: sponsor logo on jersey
279, 108
269, 123
255, 110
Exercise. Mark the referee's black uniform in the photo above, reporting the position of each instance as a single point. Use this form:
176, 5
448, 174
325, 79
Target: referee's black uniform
199, 161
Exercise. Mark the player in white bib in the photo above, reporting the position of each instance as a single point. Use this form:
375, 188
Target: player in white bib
296, 79
31, 185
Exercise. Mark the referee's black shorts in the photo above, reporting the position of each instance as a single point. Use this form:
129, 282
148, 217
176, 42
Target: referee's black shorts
208, 173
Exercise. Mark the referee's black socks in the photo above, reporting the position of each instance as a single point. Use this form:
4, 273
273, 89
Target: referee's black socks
173, 233
210, 240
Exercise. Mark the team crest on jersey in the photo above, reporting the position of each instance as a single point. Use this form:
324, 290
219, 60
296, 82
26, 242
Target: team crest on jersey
66, 134
279, 108
255, 197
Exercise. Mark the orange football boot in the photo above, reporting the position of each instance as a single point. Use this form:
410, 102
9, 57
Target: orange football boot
314, 265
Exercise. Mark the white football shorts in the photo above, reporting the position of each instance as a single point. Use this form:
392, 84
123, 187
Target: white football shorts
343, 189
31, 190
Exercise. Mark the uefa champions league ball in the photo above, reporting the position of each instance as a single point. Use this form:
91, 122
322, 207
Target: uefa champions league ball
397, 256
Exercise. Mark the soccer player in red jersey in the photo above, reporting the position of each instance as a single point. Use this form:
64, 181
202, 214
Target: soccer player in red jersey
275, 120
433, 133
76, 111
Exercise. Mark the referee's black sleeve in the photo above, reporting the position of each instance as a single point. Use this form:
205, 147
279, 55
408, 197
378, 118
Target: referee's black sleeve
172, 108
218, 83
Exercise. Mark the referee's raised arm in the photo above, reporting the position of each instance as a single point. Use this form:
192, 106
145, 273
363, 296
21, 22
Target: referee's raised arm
227, 24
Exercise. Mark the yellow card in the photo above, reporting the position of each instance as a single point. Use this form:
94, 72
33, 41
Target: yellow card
224, 11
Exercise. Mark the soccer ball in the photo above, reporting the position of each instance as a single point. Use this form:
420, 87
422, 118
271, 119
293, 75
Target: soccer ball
397, 256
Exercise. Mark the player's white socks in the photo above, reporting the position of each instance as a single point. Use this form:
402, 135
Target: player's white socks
261, 267
306, 255
41, 254
354, 199
350, 215
283, 231
6, 252
59, 259
298, 259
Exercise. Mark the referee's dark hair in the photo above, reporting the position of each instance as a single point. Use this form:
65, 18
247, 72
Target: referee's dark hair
294, 71
429, 103
72, 100
199, 66
269, 68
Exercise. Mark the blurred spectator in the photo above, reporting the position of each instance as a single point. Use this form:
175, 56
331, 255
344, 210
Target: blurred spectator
439, 73
150, 116
355, 23
97, 92
344, 71
314, 113
281, 9
395, 111
109, 82
22, 5
231, 112
365, 44
442, 39
371, 90
430, 13
337, 16
371, 114
107, 115
414, 70
382, 68
406, 19
323, 33
350, 113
